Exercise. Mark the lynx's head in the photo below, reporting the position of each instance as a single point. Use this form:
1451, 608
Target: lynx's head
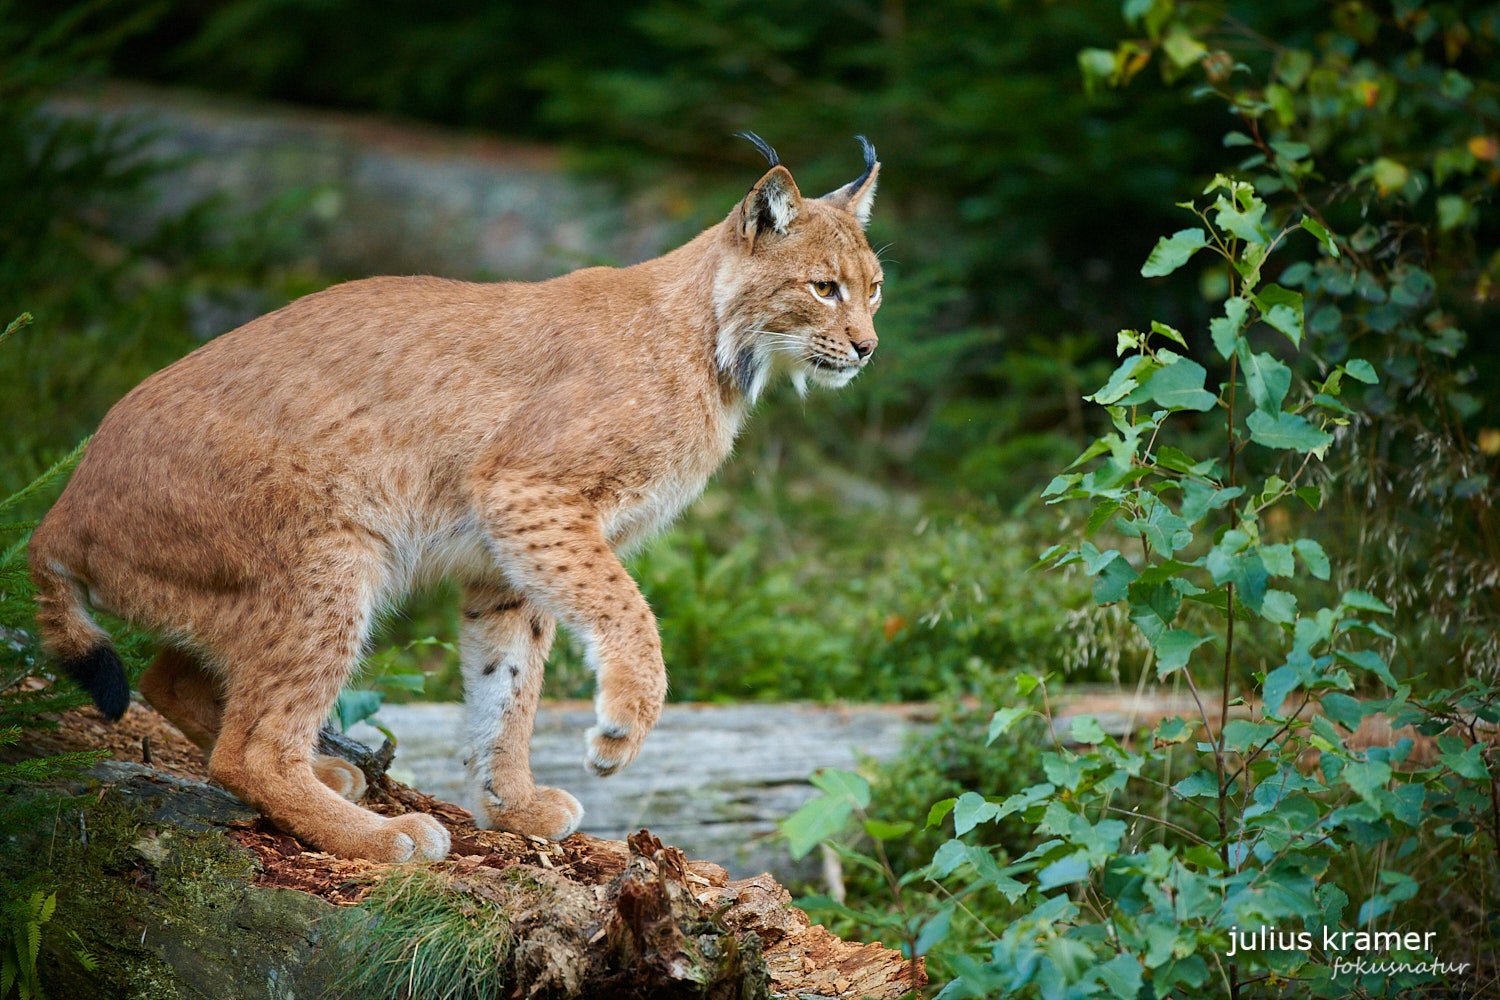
798, 287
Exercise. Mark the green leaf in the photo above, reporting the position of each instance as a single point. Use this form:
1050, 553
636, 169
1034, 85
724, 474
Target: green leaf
1171, 252
1368, 659
1313, 555
1094, 450
1469, 764
1281, 308
403, 682
1113, 582
881, 830
1123, 380
1086, 730
1100, 517
1179, 386
1094, 560
1180, 461
817, 820
1279, 607
1279, 683
1096, 65
939, 811
1225, 329
1285, 430
1175, 730
1121, 975
842, 784
1198, 499
1344, 710
1365, 777
971, 810
1182, 48
1197, 785
1174, 649
1287, 149
1227, 564
1277, 558
1267, 379
933, 931
1242, 225
1453, 211
1168, 332
1059, 484
1074, 868
1362, 601
1320, 233
355, 705
1003, 719
1359, 368
948, 858
1241, 735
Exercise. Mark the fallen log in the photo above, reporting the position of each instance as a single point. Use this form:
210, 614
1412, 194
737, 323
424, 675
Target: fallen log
176, 888
711, 779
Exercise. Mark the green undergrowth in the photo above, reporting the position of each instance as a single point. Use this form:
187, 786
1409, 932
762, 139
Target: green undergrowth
423, 937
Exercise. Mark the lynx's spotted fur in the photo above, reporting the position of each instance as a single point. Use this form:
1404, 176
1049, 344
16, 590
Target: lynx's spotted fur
259, 502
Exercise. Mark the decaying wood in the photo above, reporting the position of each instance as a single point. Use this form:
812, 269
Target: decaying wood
632, 918
374, 763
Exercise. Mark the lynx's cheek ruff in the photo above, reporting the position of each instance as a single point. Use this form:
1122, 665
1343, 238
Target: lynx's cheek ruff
260, 502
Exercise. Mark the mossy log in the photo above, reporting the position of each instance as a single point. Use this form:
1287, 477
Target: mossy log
177, 889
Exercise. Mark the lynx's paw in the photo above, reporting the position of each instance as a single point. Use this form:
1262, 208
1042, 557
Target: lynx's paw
413, 837
622, 725
612, 746
340, 775
552, 814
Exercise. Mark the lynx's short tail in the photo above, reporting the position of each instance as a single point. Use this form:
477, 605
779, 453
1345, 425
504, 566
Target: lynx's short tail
70, 634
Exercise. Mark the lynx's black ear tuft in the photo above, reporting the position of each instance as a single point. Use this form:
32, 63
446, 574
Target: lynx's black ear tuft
858, 195
765, 147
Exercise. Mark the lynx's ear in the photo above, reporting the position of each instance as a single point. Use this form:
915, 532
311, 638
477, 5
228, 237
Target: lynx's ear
772, 205
858, 196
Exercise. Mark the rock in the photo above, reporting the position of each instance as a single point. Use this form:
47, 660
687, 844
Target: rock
359, 194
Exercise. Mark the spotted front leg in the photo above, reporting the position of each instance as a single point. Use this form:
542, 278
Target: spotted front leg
552, 549
504, 648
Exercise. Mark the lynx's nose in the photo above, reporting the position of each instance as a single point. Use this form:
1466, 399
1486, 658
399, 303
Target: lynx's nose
865, 348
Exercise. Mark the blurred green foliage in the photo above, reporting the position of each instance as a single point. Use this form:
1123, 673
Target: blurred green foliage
1009, 196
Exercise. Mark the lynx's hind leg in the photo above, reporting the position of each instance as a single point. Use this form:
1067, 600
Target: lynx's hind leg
504, 650
290, 657
188, 694
185, 692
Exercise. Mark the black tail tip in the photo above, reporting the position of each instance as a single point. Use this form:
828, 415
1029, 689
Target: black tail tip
102, 675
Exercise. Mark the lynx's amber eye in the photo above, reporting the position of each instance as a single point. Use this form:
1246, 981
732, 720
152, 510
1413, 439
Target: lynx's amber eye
826, 290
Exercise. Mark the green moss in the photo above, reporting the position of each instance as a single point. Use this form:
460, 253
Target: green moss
166, 912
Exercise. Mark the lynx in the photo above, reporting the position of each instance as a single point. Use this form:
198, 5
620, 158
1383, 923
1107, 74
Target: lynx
260, 502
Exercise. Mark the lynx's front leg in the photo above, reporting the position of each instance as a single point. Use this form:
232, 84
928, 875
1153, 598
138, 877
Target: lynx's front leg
504, 648
553, 548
